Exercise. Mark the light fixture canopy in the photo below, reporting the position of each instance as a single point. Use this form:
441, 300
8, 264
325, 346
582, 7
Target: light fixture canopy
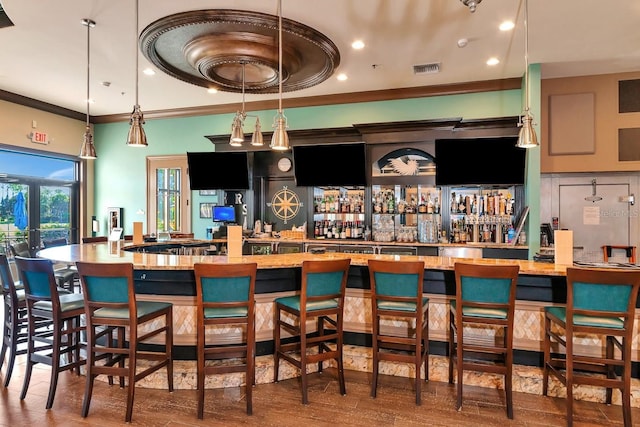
471, 4
280, 139
527, 137
136, 136
88, 149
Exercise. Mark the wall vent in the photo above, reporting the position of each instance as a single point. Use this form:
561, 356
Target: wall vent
431, 68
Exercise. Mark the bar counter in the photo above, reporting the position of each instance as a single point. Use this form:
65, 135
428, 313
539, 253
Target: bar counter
168, 277
120, 252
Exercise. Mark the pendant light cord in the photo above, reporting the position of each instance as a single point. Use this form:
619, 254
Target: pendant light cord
280, 56
244, 64
136, 50
526, 55
88, 67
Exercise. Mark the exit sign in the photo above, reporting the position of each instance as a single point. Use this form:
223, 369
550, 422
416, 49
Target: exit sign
39, 137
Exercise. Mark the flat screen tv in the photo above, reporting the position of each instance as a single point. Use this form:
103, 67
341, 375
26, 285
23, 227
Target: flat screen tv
479, 161
225, 214
330, 165
218, 171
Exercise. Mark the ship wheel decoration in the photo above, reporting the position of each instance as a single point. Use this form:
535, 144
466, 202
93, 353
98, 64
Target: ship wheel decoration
285, 204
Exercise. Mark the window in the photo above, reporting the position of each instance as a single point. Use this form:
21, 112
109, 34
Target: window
168, 190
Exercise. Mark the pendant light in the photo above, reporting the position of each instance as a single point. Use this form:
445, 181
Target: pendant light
88, 150
527, 137
136, 136
280, 139
237, 127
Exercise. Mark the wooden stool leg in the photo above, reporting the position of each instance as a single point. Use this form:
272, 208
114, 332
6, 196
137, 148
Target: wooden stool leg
374, 377
451, 347
547, 356
276, 353
303, 361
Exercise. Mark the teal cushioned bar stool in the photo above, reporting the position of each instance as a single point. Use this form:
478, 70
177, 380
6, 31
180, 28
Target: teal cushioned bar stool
65, 276
396, 293
600, 303
481, 324
321, 298
111, 307
45, 304
225, 296
14, 327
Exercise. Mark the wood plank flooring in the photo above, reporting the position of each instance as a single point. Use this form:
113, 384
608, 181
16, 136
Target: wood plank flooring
280, 405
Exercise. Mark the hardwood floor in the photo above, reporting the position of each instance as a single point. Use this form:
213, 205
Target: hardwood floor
279, 405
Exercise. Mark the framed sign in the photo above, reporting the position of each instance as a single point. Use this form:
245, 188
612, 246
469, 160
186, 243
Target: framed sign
205, 209
114, 219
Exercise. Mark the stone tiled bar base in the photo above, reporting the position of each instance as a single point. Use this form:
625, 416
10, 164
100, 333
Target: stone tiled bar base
526, 379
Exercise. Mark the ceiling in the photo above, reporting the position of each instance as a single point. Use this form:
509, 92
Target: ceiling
44, 55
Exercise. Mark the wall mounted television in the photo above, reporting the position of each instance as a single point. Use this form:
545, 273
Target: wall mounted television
226, 214
479, 161
218, 170
326, 165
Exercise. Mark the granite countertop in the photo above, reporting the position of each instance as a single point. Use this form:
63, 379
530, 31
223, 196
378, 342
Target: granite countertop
113, 252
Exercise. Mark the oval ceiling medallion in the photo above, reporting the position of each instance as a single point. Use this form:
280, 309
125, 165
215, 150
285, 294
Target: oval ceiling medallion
208, 48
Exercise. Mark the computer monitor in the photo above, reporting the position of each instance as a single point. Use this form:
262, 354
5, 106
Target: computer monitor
226, 214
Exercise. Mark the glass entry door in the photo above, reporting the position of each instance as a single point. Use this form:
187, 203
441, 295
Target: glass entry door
14, 216
53, 218
39, 199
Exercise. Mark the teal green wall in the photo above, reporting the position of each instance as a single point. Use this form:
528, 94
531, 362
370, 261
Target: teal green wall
120, 171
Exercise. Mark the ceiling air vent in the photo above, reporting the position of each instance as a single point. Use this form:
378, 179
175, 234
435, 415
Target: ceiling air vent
431, 68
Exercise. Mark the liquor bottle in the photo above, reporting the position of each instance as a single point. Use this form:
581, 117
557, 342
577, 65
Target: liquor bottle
454, 204
422, 207
429, 203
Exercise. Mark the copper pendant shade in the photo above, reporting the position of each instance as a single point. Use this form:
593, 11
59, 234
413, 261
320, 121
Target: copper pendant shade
527, 137
136, 136
88, 149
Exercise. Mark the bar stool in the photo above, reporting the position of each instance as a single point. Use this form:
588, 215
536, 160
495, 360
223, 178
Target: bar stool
629, 250
45, 304
322, 299
65, 276
14, 327
599, 302
225, 297
110, 305
396, 292
484, 304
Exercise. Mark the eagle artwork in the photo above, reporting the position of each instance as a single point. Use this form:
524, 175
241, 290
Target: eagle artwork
404, 165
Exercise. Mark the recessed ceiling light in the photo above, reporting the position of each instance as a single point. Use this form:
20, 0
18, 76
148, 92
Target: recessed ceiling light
493, 61
357, 44
342, 77
149, 71
212, 90
507, 26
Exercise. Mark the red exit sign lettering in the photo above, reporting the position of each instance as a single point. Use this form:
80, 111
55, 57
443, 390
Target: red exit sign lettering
39, 137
